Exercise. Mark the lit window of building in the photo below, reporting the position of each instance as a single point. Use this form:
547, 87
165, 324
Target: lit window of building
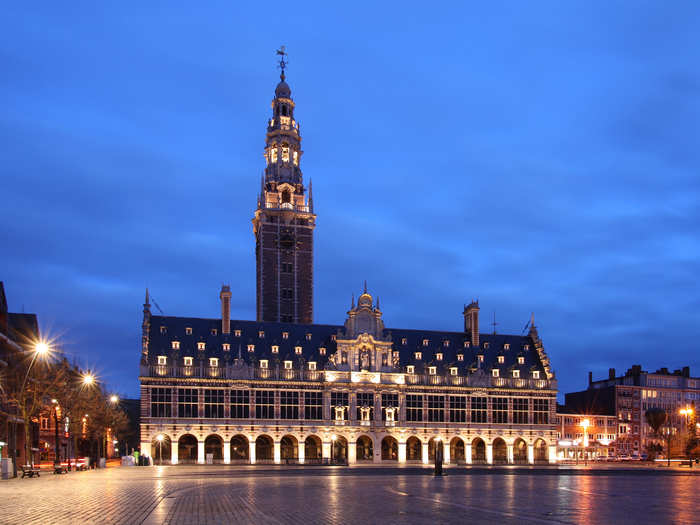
312, 365
214, 331
251, 348
467, 344
438, 356
201, 346
162, 360
297, 350
287, 365
506, 346
175, 345
418, 355
432, 370
188, 330
460, 357
261, 334
495, 372
226, 346
516, 373
535, 374
322, 350
501, 359
404, 341
453, 371
296, 158
273, 155
410, 369
285, 335
480, 357
263, 363
308, 337
521, 360
213, 361
285, 154
163, 330
446, 343
425, 342
275, 349
187, 361
237, 333
486, 344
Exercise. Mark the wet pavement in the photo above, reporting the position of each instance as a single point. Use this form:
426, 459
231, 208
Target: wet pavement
270, 495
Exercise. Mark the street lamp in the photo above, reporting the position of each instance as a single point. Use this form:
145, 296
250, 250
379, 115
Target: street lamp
114, 399
88, 379
688, 413
56, 459
585, 424
159, 437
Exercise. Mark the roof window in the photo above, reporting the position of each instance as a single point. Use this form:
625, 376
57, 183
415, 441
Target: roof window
237, 333
501, 359
261, 334
432, 370
162, 360
275, 349
460, 357
495, 372
187, 361
287, 365
410, 369
438, 356
188, 330
226, 346
308, 337
285, 335
201, 345
213, 361
312, 365
175, 345
263, 363
163, 330
251, 348
297, 350
425, 342
418, 355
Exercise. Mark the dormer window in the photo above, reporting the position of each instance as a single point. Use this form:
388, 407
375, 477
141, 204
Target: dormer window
494, 372
460, 357
201, 345
432, 370
187, 361
410, 369
418, 355
275, 349
213, 361
425, 342
467, 344
486, 345
312, 365
188, 330
287, 365
308, 337
535, 374
480, 357
404, 341
251, 348
526, 347
453, 371
446, 343
297, 350
237, 333
322, 350
175, 345
162, 360
285, 335
516, 373
214, 331
501, 359
521, 360
506, 346
163, 330
263, 363
226, 346
261, 334
438, 356
333, 337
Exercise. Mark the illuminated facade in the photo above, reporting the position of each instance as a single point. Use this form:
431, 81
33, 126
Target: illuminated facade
280, 389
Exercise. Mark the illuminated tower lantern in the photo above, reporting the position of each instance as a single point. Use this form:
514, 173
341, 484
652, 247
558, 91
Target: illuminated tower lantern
284, 220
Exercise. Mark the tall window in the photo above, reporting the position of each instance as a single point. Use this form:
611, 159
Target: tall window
265, 404
161, 402
436, 408
520, 408
365, 399
289, 405
339, 399
240, 404
213, 403
313, 405
389, 400
458, 409
187, 401
500, 409
540, 411
414, 407
478, 410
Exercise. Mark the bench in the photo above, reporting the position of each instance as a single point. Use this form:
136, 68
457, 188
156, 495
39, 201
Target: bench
30, 471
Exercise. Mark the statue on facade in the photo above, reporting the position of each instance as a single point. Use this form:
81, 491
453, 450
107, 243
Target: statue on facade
364, 359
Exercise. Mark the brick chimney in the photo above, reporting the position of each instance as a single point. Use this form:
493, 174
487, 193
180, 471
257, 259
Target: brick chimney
611, 373
471, 322
590, 378
225, 297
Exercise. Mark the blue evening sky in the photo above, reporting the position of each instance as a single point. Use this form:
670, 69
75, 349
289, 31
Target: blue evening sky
538, 155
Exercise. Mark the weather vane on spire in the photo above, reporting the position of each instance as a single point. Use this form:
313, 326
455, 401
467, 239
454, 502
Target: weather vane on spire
282, 52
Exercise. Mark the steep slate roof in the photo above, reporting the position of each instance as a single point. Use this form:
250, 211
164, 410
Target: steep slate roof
209, 332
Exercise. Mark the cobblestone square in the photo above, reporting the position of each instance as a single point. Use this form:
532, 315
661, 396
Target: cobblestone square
218, 494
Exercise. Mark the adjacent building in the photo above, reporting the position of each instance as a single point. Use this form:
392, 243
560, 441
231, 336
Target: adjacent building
627, 398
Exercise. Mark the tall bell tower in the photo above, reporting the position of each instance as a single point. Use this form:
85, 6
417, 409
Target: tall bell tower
284, 219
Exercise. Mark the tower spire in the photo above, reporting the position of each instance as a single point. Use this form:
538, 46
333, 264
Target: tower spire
282, 52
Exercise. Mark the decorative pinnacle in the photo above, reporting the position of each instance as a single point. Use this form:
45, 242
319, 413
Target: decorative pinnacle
365, 291
282, 52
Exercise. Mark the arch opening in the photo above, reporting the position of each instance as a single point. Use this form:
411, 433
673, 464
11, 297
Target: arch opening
364, 449
478, 451
390, 449
187, 449
240, 449
264, 449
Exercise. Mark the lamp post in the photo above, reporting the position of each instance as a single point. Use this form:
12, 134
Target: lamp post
585, 424
159, 437
56, 459
688, 413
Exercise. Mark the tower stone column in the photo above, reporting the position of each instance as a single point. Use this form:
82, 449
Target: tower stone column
284, 221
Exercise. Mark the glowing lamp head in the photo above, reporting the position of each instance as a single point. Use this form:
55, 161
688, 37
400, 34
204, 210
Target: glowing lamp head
334, 437
160, 437
585, 423
41, 348
114, 399
88, 379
